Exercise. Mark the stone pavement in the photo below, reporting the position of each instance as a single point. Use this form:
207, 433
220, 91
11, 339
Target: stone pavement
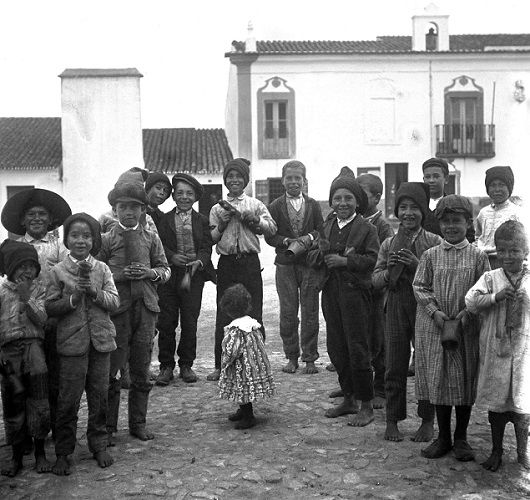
293, 453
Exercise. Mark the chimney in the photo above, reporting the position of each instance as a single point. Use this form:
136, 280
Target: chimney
101, 133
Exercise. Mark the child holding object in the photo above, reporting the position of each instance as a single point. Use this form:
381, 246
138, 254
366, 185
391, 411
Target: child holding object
446, 335
502, 298
246, 373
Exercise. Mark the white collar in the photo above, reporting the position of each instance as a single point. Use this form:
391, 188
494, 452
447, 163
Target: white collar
245, 323
28, 238
128, 228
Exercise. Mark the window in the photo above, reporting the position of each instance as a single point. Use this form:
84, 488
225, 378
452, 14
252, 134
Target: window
276, 130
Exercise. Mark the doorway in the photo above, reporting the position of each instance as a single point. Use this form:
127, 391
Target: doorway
212, 194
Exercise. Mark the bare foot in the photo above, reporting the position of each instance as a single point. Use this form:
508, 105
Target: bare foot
214, 375
493, 462
310, 368
330, 367
42, 465
11, 467
103, 459
336, 394
364, 417
142, 434
62, 466
379, 403
347, 407
425, 432
111, 439
290, 367
392, 432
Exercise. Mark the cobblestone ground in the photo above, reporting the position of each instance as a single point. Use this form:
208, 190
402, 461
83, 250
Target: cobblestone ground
293, 453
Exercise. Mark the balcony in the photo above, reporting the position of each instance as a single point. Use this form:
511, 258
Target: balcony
465, 141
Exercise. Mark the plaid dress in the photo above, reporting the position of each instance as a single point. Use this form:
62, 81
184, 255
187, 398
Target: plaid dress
444, 275
246, 373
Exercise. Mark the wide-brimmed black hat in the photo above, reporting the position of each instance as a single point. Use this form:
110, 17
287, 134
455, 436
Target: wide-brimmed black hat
188, 179
14, 209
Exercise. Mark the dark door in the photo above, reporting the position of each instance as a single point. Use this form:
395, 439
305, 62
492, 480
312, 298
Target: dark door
212, 194
395, 174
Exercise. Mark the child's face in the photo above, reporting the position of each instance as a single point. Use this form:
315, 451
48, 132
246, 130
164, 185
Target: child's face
454, 227
373, 199
235, 183
27, 270
79, 240
435, 178
409, 214
184, 196
293, 181
129, 212
511, 254
498, 191
344, 203
158, 193
37, 221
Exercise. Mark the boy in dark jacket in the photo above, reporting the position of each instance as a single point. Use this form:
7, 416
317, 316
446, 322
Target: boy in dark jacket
298, 218
188, 243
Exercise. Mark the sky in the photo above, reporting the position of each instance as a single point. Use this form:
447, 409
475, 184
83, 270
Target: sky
179, 46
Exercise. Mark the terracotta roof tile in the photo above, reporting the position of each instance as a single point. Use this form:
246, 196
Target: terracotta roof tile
196, 151
389, 44
30, 144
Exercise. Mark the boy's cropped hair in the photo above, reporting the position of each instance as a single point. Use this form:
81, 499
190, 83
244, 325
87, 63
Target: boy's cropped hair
374, 183
294, 164
512, 230
236, 301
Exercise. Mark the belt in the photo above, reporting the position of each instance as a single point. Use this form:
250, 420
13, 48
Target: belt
238, 256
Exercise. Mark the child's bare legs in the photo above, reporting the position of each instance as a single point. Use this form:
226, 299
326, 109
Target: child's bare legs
103, 458
425, 431
291, 366
13, 466
41, 463
442, 445
347, 407
392, 433
365, 415
310, 368
62, 466
498, 423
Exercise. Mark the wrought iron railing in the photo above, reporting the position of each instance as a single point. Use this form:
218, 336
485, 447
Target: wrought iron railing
457, 141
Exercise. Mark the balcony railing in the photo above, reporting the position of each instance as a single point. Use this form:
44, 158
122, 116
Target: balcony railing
459, 141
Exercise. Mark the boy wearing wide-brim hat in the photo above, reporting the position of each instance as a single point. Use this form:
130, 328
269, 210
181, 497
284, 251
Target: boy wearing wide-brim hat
35, 214
187, 242
396, 264
347, 249
235, 233
138, 263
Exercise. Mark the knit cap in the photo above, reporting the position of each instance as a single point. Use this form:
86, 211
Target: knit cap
346, 180
436, 162
241, 165
417, 191
13, 253
504, 174
93, 224
129, 187
454, 203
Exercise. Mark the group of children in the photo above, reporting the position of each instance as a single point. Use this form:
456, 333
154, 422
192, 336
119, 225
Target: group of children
80, 316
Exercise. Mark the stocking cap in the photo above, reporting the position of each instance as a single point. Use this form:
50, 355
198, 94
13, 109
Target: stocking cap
242, 165
346, 180
129, 187
16, 206
93, 224
504, 174
13, 253
417, 191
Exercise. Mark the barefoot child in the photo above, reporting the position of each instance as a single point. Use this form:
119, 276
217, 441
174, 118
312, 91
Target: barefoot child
373, 187
138, 264
245, 370
502, 298
348, 248
81, 294
24, 376
396, 264
298, 218
446, 375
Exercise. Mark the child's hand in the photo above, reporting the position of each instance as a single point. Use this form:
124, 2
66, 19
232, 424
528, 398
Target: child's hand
334, 261
85, 286
138, 271
507, 293
406, 257
224, 217
24, 288
193, 266
179, 260
440, 318
77, 296
393, 259
463, 317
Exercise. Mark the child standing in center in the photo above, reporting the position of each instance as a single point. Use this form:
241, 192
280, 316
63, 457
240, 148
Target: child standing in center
446, 373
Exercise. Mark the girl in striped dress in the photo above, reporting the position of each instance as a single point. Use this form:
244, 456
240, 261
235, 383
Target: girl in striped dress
446, 374
246, 373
